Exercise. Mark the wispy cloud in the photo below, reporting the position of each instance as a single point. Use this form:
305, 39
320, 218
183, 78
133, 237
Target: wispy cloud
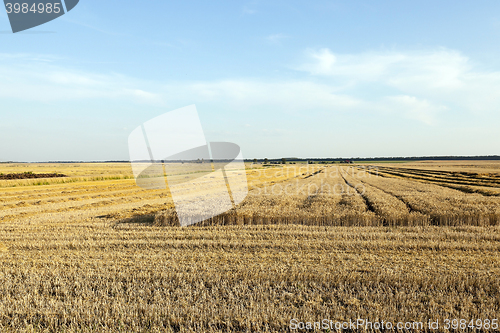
107, 32
276, 38
370, 103
249, 11
38, 78
280, 95
17, 57
444, 78
414, 108
425, 87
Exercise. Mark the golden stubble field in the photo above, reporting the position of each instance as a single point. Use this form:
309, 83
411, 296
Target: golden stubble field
392, 242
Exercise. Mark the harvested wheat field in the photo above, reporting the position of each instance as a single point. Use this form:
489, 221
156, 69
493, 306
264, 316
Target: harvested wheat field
399, 243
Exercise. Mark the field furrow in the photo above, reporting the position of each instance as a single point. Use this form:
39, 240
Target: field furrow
309, 241
390, 209
445, 206
320, 198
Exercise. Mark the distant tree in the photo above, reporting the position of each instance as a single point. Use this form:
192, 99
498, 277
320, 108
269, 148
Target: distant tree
283, 160
255, 161
266, 161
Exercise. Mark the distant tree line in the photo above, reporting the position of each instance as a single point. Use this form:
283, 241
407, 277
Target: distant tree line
359, 159
316, 160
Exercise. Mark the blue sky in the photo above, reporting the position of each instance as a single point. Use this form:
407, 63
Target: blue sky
279, 78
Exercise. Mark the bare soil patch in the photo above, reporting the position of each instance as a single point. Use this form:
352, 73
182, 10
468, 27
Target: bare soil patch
30, 175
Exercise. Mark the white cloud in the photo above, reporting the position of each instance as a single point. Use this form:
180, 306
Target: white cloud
442, 69
323, 62
362, 103
426, 86
359, 66
42, 81
440, 77
304, 97
281, 95
46, 82
414, 108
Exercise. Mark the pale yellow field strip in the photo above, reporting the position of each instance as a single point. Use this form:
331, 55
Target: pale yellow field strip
105, 197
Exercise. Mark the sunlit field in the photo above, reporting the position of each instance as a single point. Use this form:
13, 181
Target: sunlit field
405, 242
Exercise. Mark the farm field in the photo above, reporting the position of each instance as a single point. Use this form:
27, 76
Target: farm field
402, 242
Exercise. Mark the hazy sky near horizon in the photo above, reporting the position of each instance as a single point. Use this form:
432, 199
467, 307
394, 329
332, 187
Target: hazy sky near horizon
279, 78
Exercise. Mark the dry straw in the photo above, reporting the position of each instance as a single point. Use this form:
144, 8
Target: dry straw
347, 196
3, 248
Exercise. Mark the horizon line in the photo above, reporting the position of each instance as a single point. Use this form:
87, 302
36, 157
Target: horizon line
435, 157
